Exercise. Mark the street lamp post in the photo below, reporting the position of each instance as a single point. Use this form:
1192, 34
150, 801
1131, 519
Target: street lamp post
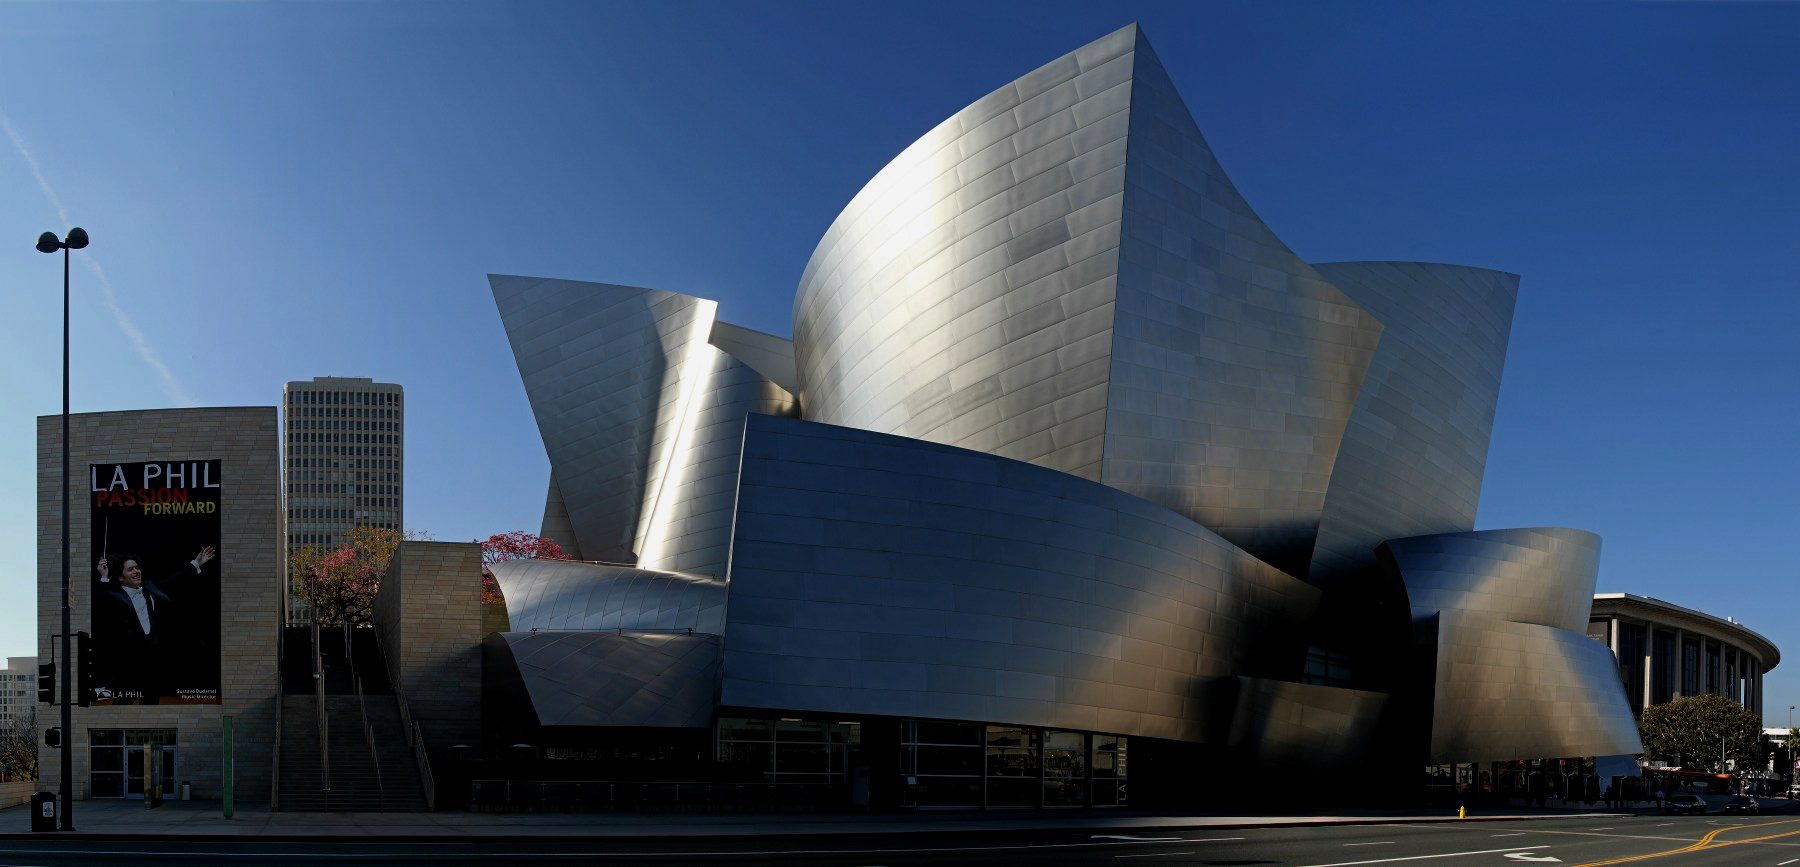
47, 243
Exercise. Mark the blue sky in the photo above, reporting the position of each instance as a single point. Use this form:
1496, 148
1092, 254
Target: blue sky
283, 190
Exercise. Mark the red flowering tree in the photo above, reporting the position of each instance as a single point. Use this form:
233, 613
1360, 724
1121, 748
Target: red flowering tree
339, 584
516, 545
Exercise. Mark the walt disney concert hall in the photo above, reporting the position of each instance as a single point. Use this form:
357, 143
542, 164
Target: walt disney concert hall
1074, 484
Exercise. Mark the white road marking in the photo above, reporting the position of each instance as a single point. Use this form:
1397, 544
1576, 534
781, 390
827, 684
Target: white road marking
1427, 857
1475, 830
1600, 829
1521, 856
1130, 839
1514, 834
1664, 824
1382, 843
1153, 855
1787, 862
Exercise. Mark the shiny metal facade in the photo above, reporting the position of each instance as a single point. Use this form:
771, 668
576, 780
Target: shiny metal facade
883, 575
1235, 365
1542, 575
1304, 727
556, 524
965, 295
1516, 677
1414, 452
635, 679
640, 414
565, 595
1062, 428
1021, 282
1509, 691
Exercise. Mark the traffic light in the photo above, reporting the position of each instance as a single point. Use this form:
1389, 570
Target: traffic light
47, 683
84, 671
53, 737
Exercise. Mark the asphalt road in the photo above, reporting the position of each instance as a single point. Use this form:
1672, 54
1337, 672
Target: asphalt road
1678, 841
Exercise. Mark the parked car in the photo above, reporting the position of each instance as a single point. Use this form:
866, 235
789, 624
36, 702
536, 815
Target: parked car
1684, 802
1745, 805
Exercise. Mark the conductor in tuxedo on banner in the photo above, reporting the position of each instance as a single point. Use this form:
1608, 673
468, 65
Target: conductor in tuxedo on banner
138, 621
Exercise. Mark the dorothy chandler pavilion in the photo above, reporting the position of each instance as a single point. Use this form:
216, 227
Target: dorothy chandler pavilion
1075, 485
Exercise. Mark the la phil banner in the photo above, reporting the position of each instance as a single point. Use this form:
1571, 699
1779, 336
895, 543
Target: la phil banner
155, 582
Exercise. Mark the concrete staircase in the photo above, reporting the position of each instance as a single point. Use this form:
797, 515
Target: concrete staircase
387, 781
358, 784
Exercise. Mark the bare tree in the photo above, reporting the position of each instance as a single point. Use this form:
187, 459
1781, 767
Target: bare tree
19, 745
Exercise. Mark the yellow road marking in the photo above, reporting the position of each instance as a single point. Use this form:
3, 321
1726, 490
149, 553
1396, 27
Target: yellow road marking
1705, 842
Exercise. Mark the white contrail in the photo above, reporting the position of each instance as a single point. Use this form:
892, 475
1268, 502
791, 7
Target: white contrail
138, 342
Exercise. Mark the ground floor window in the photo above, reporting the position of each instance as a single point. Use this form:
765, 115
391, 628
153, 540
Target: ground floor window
121, 762
947, 764
789, 750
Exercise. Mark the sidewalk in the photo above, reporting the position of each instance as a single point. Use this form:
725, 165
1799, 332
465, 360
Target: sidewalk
202, 819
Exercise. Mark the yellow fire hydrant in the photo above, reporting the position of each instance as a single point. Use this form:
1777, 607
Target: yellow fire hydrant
1462, 812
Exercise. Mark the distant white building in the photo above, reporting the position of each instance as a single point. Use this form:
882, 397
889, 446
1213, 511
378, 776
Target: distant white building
1667, 652
18, 689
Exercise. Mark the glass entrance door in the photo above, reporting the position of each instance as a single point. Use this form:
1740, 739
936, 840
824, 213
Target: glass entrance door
116, 761
134, 773
162, 773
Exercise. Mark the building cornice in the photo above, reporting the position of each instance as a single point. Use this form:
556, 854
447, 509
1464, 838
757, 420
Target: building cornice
1668, 614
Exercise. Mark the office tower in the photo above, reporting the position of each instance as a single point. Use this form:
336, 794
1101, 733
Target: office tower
345, 458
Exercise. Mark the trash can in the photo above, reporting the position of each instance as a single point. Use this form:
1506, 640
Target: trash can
187, 791
43, 811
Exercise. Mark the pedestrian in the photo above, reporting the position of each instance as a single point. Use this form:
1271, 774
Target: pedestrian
1659, 798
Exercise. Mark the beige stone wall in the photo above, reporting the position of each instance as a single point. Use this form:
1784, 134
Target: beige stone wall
245, 440
494, 619
428, 615
17, 792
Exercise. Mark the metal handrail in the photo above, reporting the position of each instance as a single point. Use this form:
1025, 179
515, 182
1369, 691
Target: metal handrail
362, 707
369, 735
417, 733
324, 719
424, 760
275, 771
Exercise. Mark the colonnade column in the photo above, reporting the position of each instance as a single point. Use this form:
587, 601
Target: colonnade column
1737, 675
1649, 663
1705, 671
1680, 664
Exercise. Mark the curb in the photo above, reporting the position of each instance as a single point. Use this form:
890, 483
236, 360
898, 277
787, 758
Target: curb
639, 839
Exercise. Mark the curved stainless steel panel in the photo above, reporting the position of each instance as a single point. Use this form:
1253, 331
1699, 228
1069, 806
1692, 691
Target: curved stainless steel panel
566, 595
556, 526
602, 366
651, 680
1522, 691
1235, 364
1061, 273
965, 295
877, 574
1302, 725
771, 356
1416, 446
640, 412
1542, 575
690, 531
